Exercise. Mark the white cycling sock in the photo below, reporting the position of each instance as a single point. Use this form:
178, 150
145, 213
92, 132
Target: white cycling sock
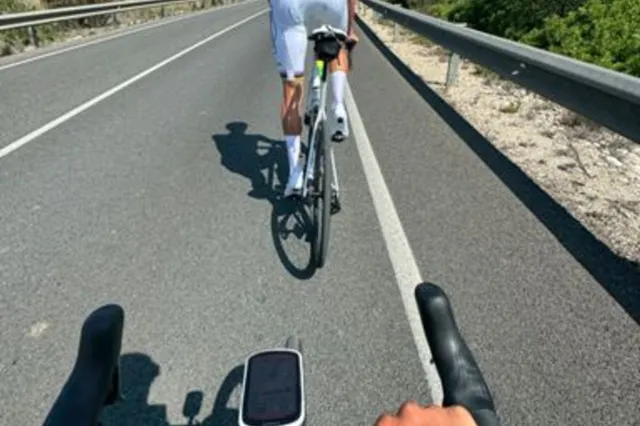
338, 81
293, 151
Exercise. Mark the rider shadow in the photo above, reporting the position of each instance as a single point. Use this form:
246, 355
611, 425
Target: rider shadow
241, 154
138, 371
250, 155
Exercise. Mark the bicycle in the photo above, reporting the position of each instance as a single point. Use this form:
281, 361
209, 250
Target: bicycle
320, 186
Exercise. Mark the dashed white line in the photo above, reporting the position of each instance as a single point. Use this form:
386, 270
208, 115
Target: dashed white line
118, 35
88, 104
403, 262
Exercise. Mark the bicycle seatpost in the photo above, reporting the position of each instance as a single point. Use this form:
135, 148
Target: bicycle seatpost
94, 380
462, 380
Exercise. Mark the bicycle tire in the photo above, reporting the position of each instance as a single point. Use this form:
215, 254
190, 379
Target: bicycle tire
321, 203
316, 202
327, 193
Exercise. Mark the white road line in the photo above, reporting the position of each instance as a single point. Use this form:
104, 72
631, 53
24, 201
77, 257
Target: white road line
118, 35
400, 253
77, 110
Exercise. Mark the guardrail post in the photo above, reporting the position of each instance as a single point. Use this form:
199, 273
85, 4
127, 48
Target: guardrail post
33, 36
162, 11
395, 32
115, 18
453, 66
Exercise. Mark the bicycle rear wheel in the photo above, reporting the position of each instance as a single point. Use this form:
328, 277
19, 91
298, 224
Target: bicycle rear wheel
322, 197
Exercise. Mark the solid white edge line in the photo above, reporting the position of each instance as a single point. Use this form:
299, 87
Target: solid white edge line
123, 33
404, 263
77, 110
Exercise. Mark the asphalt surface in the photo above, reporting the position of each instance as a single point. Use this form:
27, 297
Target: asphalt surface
165, 198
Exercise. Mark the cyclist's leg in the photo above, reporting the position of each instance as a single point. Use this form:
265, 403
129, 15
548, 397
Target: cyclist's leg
290, 47
337, 16
339, 68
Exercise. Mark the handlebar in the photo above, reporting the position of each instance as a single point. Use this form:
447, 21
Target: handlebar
462, 381
94, 381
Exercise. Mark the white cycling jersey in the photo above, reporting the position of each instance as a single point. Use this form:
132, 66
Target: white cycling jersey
293, 20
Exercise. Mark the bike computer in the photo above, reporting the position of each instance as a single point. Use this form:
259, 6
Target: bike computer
273, 389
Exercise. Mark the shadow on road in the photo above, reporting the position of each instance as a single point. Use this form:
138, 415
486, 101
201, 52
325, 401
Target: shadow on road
138, 373
618, 276
252, 155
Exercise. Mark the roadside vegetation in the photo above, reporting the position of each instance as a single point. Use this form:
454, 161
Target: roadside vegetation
602, 32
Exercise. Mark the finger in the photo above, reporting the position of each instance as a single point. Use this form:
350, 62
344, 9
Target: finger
386, 420
460, 415
409, 409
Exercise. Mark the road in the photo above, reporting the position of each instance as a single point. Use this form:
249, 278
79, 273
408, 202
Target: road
159, 190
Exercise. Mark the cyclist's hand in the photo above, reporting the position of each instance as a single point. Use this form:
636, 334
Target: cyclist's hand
412, 414
353, 37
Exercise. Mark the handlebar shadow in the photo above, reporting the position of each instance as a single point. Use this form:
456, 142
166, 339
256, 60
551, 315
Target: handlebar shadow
138, 373
92, 393
222, 414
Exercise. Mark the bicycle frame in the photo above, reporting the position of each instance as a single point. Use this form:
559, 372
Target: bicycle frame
318, 116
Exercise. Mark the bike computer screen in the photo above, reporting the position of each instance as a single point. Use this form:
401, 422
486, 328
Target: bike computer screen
272, 389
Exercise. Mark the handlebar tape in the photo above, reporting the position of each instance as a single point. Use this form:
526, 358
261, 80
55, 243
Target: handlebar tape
93, 382
462, 380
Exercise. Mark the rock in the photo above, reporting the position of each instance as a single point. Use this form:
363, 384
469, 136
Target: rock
613, 160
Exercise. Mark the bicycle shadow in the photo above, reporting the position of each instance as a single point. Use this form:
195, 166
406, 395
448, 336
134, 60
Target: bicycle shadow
138, 373
264, 162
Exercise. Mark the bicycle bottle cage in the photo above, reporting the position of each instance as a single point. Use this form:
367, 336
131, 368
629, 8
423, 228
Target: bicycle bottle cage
327, 43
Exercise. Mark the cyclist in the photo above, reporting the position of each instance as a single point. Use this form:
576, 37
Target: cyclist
290, 20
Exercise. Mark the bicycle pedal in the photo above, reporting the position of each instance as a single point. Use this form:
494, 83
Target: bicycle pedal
338, 137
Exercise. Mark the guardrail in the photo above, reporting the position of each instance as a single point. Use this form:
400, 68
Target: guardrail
602, 95
32, 19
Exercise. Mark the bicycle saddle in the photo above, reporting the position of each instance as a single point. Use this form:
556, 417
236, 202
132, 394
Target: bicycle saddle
327, 42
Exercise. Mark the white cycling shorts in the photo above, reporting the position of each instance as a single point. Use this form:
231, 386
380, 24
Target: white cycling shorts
291, 23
